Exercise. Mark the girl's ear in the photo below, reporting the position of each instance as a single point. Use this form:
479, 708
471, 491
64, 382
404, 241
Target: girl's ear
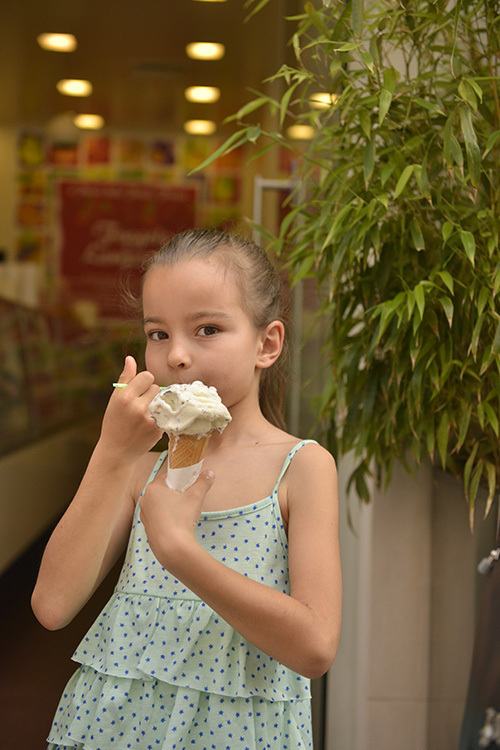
271, 344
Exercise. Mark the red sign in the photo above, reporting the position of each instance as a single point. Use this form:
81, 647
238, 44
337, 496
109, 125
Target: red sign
106, 230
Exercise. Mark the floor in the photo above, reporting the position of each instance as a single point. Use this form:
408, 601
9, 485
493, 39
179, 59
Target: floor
36, 663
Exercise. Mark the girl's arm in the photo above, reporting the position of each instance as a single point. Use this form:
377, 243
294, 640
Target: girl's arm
300, 630
93, 531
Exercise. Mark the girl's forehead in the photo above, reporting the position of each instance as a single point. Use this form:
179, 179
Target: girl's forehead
194, 278
204, 271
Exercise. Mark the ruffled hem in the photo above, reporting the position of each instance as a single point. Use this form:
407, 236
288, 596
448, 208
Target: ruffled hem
98, 712
183, 643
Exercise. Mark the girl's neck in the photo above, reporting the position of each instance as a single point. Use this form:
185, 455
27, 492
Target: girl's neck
245, 429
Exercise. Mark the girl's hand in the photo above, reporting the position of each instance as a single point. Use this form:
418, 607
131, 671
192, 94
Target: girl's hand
170, 518
128, 429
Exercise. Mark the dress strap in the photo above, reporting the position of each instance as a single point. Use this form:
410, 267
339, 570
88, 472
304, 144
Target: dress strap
288, 459
156, 468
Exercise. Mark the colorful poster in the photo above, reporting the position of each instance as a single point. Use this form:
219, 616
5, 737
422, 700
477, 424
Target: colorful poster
106, 229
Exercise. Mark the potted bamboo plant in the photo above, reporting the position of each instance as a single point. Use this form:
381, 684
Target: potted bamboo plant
400, 226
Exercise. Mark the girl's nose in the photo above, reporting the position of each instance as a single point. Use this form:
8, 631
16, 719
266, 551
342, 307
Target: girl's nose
178, 355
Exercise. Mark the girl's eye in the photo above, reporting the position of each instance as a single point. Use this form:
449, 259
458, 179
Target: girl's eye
208, 330
157, 335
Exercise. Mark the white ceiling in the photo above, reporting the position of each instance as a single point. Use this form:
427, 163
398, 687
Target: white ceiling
133, 52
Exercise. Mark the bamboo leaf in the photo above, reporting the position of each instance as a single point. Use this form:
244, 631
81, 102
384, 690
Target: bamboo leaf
234, 141
367, 58
390, 79
492, 417
247, 109
258, 6
347, 47
496, 340
474, 343
477, 88
447, 230
484, 296
492, 481
403, 180
253, 133
471, 145
285, 101
369, 161
442, 438
387, 310
469, 244
468, 467
410, 301
447, 278
386, 172
448, 308
304, 269
467, 93
456, 152
416, 235
420, 297
490, 143
366, 123
423, 179
358, 17
384, 104
464, 425
480, 414
430, 106
447, 153
473, 488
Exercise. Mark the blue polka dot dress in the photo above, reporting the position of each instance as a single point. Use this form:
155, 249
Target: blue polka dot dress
160, 670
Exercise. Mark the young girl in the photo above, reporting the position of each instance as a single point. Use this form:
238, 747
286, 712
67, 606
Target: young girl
229, 598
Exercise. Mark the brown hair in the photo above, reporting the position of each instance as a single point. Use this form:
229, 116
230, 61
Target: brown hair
261, 291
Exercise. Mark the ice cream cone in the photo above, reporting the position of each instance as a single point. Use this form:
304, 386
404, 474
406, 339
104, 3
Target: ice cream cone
188, 413
186, 450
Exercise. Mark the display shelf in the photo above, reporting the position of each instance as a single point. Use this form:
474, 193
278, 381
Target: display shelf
53, 372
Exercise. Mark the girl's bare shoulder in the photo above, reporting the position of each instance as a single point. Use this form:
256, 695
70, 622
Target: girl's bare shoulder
312, 470
313, 454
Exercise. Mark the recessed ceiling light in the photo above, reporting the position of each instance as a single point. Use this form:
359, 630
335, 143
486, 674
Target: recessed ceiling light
205, 50
74, 87
205, 94
300, 132
200, 127
57, 42
89, 122
323, 100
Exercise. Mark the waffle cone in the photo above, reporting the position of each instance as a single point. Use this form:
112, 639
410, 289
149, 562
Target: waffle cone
186, 450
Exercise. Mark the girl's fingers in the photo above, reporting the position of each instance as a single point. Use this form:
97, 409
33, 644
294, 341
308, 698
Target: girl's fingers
129, 370
170, 517
205, 481
137, 383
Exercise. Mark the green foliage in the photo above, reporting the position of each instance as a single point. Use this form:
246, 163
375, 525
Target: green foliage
401, 227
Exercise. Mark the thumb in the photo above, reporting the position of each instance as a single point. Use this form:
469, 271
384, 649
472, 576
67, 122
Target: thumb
129, 370
205, 481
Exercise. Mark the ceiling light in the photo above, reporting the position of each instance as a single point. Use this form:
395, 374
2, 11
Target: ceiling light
74, 87
323, 100
205, 50
57, 42
200, 127
202, 94
300, 132
89, 122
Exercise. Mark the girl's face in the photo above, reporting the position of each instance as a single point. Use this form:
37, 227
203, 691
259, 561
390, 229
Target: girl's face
197, 329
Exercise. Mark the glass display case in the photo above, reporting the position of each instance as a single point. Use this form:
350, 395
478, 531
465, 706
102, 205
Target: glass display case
53, 372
